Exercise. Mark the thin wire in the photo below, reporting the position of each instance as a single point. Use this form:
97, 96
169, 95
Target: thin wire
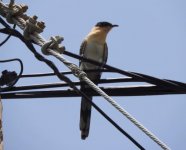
7, 38
64, 72
138, 76
178, 85
59, 85
4, 23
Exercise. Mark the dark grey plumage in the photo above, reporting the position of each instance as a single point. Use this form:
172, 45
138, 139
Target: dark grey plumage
85, 112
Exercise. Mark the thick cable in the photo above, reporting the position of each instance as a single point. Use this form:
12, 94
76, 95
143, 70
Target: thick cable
7, 38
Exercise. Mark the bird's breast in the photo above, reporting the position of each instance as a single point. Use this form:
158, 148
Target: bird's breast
94, 51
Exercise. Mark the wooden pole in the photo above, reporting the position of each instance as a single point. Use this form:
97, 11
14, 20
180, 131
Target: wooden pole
1, 129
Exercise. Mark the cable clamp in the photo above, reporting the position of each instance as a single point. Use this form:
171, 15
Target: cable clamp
13, 11
77, 71
7, 78
54, 44
33, 26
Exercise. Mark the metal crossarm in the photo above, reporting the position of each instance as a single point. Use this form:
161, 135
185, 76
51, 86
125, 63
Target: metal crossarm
112, 91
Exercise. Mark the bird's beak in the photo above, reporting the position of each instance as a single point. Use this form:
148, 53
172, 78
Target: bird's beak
115, 25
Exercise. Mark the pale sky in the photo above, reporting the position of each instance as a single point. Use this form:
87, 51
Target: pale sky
150, 39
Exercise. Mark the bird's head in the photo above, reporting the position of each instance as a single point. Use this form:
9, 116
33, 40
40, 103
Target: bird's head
105, 26
99, 31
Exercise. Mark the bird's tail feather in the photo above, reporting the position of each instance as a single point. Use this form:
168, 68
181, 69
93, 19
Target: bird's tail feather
85, 117
85, 111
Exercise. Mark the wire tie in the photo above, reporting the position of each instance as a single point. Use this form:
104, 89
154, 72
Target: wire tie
54, 44
77, 71
14, 11
33, 26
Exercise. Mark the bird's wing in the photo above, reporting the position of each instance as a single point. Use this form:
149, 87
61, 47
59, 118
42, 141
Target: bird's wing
82, 49
105, 53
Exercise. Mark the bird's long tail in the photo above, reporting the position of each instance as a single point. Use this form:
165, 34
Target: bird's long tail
85, 115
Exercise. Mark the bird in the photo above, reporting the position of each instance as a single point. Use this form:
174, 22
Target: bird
93, 47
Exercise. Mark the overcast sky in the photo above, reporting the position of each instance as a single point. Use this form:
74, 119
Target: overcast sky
150, 39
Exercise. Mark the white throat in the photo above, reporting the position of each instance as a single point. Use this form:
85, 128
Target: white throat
97, 35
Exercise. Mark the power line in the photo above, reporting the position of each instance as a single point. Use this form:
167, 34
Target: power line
138, 76
7, 38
